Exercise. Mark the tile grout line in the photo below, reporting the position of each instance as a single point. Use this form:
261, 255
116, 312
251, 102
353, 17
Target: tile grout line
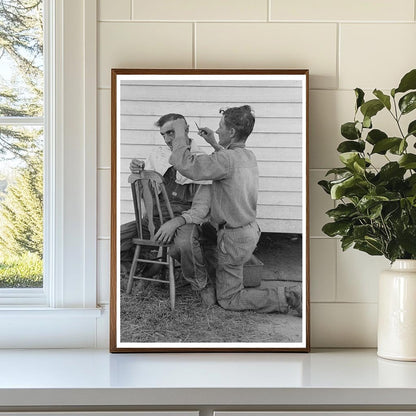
131, 9
306, 22
338, 63
269, 10
194, 62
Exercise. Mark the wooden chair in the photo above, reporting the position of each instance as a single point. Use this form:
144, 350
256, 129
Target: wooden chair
146, 187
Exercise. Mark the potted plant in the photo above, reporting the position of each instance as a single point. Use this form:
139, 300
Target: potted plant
376, 206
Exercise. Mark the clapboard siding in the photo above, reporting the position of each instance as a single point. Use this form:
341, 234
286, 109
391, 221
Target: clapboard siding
213, 83
267, 168
264, 197
276, 140
263, 211
264, 125
256, 139
265, 224
223, 95
271, 155
195, 109
269, 184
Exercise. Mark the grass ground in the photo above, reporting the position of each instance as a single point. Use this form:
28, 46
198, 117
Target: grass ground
24, 271
146, 315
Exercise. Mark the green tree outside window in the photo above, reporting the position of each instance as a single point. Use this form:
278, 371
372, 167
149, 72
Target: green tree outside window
21, 143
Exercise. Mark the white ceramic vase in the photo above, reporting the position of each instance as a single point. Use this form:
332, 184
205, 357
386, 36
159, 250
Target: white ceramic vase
397, 312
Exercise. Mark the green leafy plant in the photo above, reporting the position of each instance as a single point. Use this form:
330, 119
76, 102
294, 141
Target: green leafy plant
376, 210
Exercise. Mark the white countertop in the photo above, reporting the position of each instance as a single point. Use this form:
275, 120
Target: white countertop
96, 377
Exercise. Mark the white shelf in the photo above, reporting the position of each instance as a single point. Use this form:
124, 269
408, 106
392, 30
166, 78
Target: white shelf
57, 378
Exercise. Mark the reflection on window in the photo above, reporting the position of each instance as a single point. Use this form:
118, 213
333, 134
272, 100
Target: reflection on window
21, 143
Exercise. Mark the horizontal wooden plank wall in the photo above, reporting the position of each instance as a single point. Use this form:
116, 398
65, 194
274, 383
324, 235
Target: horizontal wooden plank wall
276, 139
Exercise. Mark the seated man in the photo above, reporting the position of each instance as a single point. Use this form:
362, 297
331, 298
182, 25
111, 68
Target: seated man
188, 199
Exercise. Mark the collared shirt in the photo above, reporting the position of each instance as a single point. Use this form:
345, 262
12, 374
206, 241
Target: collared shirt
235, 178
158, 160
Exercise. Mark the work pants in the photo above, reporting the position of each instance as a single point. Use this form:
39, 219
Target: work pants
235, 247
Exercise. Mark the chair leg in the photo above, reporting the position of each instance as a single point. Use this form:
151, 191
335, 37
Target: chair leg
171, 282
133, 269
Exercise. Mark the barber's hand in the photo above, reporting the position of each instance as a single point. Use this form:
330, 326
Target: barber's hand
208, 135
167, 230
136, 165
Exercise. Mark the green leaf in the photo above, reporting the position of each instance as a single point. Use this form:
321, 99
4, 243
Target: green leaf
371, 108
359, 94
338, 190
403, 146
408, 102
354, 161
393, 250
342, 211
349, 158
349, 146
385, 99
391, 170
375, 212
349, 131
361, 231
383, 145
336, 228
338, 171
367, 122
369, 201
408, 82
325, 186
408, 161
359, 165
407, 240
411, 130
368, 248
399, 148
346, 242
374, 136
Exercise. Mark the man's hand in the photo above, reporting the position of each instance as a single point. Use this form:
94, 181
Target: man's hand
136, 165
208, 135
167, 230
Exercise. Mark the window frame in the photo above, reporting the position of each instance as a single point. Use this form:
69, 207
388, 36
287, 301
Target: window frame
69, 291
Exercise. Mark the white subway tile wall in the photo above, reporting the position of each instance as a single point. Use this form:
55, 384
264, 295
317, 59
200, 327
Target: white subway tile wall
200, 10
339, 11
344, 44
270, 45
114, 10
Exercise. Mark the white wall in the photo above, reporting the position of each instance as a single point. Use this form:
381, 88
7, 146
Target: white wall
345, 44
276, 139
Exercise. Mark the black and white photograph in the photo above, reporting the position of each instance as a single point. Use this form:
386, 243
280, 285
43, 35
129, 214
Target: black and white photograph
209, 211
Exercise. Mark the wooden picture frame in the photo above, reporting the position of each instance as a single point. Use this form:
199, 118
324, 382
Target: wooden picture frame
144, 321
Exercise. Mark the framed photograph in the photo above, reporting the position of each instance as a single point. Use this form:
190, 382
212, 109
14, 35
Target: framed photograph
209, 211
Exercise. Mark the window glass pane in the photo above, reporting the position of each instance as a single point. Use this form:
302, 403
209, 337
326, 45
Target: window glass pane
21, 210
21, 58
21, 143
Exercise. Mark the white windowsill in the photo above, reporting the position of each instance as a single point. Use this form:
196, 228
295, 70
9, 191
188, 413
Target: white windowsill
323, 378
41, 327
36, 312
